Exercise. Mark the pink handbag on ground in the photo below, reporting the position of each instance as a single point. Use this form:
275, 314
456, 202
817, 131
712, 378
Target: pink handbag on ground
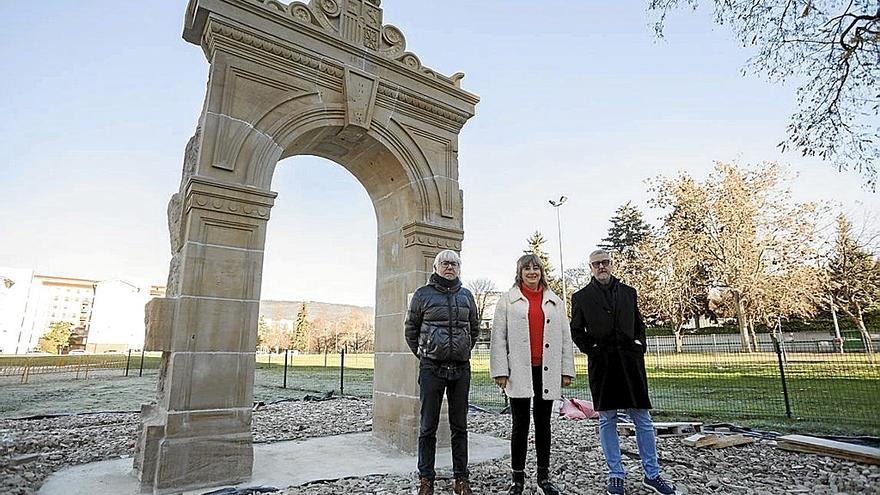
577, 409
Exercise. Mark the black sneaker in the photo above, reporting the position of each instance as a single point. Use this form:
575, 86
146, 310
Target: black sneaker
659, 486
615, 486
546, 487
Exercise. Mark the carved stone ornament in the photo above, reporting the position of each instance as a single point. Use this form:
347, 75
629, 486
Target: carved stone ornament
432, 236
358, 22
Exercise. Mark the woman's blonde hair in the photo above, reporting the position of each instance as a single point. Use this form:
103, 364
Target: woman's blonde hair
526, 260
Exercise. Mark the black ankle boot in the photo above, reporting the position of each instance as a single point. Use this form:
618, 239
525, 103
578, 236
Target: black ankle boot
518, 484
545, 486
543, 474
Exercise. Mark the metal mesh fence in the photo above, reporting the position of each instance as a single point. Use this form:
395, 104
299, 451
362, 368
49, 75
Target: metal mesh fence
33, 369
711, 377
825, 381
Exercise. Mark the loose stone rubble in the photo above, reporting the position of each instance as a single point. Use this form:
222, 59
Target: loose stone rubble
31, 450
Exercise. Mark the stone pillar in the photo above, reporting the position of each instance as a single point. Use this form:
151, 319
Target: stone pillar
404, 264
199, 432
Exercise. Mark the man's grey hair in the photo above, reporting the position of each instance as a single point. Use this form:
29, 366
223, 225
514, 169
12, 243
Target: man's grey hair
446, 255
600, 252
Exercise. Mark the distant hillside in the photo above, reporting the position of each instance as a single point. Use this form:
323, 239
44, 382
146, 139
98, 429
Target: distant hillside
286, 310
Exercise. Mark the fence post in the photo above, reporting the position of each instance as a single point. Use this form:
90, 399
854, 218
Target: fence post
127, 362
26, 371
141, 372
782, 376
342, 371
715, 350
657, 347
286, 353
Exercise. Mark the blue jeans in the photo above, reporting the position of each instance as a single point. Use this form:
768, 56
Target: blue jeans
644, 439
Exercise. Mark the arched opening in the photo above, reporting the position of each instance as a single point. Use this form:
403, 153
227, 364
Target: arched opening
318, 284
320, 245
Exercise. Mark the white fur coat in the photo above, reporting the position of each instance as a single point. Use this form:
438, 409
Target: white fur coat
511, 354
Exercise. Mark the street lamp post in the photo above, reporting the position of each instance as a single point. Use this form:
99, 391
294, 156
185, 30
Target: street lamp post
556, 204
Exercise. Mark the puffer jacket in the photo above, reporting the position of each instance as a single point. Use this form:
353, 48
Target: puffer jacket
442, 323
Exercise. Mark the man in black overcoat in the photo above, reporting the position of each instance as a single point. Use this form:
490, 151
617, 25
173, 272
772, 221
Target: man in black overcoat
606, 325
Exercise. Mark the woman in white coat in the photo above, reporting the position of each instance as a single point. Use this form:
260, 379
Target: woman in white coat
531, 360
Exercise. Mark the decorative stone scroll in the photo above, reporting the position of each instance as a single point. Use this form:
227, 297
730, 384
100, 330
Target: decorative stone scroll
358, 22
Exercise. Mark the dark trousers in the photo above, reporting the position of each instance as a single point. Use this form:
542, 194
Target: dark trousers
519, 437
435, 379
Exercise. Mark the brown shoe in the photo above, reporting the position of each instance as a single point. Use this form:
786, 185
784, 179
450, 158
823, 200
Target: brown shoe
426, 486
461, 486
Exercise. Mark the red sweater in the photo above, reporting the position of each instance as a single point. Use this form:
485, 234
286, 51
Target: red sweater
536, 323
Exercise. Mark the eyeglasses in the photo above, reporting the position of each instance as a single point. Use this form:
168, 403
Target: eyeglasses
448, 264
597, 264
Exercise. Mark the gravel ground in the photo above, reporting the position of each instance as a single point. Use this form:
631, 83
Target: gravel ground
31, 450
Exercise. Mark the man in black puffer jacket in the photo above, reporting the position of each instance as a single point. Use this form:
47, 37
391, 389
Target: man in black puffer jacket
441, 329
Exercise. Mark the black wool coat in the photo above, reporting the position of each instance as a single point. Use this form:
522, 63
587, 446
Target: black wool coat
606, 325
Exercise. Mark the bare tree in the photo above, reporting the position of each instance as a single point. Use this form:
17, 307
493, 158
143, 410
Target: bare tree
854, 274
743, 227
670, 280
832, 49
577, 277
481, 288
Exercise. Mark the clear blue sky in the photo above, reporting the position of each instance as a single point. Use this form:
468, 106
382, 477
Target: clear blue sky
578, 98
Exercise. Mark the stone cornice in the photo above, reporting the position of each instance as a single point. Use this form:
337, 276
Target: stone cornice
321, 21
206, 194
217, 30
433, 236
424, 104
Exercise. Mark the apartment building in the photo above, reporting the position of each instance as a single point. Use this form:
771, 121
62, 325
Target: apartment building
105, 315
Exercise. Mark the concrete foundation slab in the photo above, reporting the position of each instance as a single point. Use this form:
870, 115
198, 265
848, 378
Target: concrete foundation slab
280, 464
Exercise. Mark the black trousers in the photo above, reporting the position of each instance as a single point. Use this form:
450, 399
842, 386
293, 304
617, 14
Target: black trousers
455, 380
519, 437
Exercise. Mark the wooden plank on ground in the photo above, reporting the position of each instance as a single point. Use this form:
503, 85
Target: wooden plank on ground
732, 441
831, 448
700, 440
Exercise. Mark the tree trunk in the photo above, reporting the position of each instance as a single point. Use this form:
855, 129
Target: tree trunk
866, 337
752, 335
741, 321
676, 331
697, 323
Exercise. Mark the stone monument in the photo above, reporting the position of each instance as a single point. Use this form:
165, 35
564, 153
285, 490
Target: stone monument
330, 79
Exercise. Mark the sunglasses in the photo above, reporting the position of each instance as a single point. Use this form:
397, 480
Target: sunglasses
597, 264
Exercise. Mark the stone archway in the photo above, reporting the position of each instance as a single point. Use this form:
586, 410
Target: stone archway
326, 78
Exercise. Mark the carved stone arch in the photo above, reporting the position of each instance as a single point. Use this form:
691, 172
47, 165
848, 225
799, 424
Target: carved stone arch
325, 78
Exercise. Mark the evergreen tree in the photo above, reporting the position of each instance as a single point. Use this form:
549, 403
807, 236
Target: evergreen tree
536, 247
628, 229
301, 329
262, 332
